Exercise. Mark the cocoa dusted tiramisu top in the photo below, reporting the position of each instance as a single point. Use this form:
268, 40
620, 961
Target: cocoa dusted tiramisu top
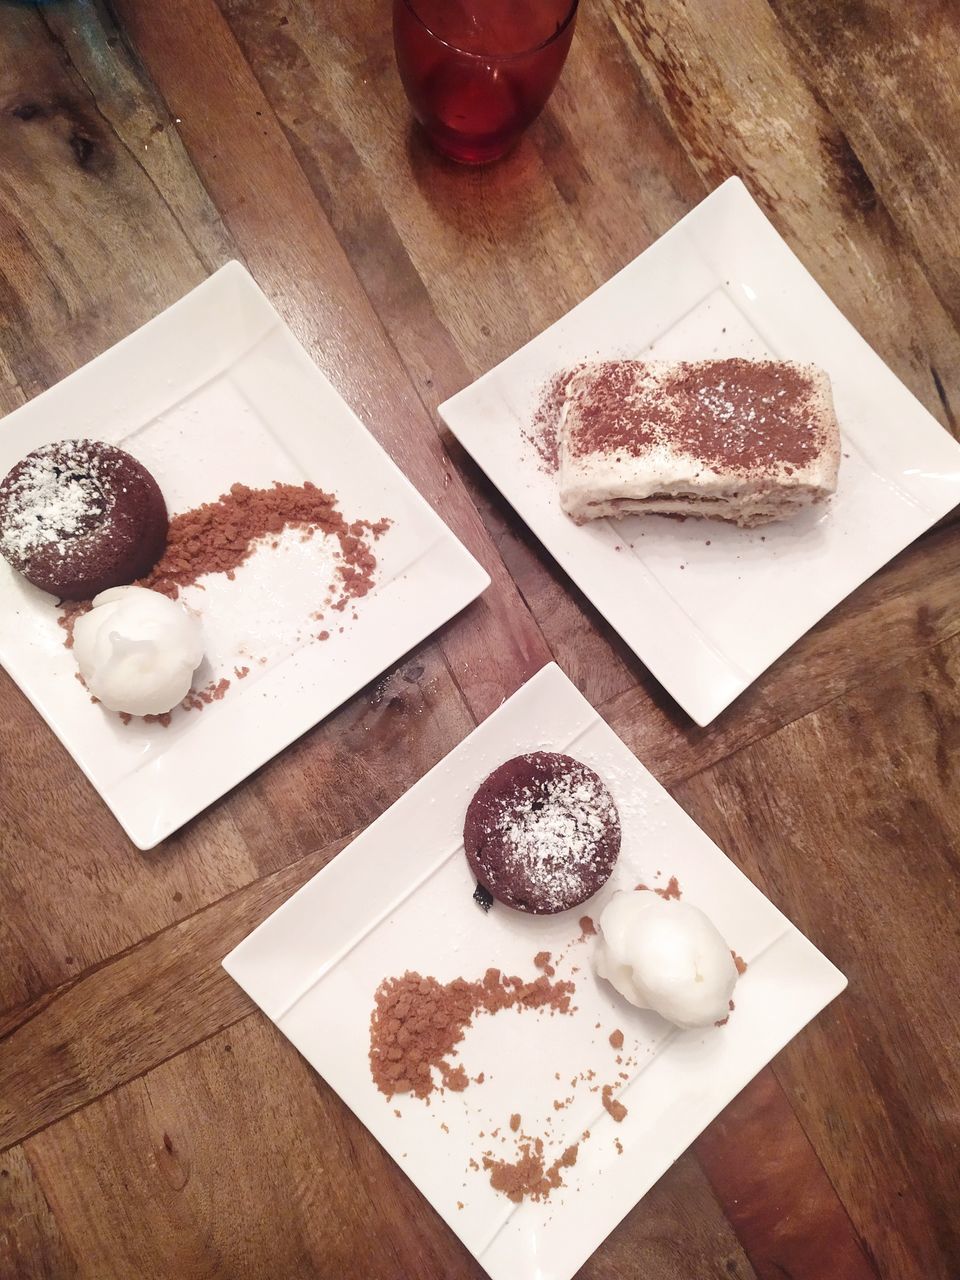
749, 414
752, 439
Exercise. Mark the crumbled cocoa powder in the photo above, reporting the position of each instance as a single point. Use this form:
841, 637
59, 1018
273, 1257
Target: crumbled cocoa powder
612, 1104
515, 1121
672, 889
417, 1022
454, 1078
587, 927
755, 415
542, 432
527, 1175
722, 1022
542, 961
197, 699
218, 537
163, 719
739, 962
616, 1039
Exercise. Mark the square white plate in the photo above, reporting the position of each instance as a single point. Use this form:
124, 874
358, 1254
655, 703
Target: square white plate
705, 605
399, 898
216, 391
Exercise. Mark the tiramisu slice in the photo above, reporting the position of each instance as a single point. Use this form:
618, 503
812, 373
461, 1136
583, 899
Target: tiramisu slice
743, 440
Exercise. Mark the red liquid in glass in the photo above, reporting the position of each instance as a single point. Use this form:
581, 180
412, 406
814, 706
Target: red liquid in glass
477, 72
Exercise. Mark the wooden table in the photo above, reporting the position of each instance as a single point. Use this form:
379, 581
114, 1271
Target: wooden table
154, 1124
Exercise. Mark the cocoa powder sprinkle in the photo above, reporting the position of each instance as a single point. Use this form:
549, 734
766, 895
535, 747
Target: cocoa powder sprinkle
616, 1108
672, 889
753, 415
417, 1022
542, 432
218, 537
528, 1175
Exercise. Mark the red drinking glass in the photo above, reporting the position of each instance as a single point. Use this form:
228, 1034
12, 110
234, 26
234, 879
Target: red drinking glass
477, 72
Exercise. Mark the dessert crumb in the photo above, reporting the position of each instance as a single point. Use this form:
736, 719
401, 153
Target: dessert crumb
611, 1104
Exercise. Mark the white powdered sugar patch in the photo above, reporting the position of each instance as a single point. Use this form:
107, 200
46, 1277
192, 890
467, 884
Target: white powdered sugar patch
46, 505
552, 831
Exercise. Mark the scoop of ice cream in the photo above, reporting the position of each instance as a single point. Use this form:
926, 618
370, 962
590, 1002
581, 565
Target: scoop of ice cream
137, 650
665, 955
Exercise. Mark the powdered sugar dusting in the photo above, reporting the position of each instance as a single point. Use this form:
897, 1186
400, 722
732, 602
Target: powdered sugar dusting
48, 503
553, 831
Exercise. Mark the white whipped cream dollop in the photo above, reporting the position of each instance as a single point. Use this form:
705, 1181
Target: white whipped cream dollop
137, 650
665, 955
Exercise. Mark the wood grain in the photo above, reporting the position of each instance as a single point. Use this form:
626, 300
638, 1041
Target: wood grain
89, 248
31, 1243
864, 859
738, 97
160, 1126
907, 608
418, 233
75, 892
775, 1191
889, 77
148, 1187
115, 1022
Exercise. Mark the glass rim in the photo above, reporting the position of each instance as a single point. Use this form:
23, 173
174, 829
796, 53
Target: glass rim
498, 57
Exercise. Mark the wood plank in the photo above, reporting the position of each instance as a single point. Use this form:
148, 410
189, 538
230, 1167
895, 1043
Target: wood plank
88, 248
117, 1021
890, 78
848, 821
156, 1190
905, 610
229, 131
143, 1183
737, 95
75, 892
676, 1232
767, 1176
31, 1244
